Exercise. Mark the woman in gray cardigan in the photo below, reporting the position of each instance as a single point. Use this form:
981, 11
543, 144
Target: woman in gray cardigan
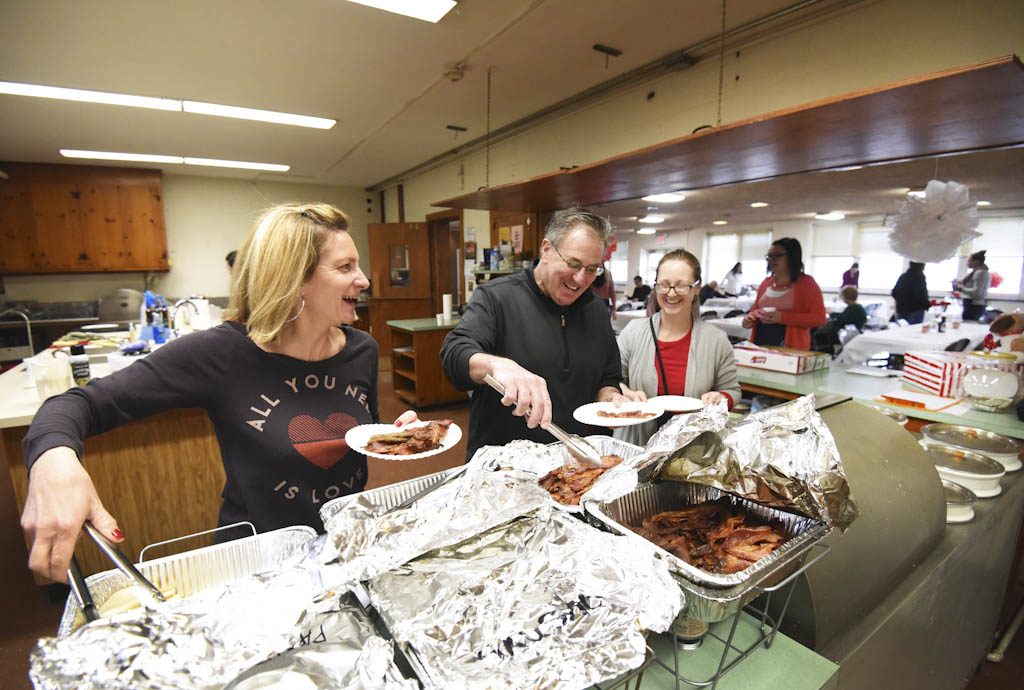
675, 347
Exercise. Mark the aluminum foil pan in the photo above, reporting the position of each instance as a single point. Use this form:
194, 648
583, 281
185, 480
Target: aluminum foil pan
267, 625
543, 601
371, 538
197, 570
539, 459
711, 597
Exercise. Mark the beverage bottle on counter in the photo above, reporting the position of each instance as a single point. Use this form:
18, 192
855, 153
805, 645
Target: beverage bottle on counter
80, 365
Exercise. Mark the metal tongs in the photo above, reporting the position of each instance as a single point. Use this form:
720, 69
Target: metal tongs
578, 447
81, 590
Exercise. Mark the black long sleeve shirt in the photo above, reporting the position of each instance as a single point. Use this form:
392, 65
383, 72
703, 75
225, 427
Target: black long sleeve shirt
280, 421
572, 348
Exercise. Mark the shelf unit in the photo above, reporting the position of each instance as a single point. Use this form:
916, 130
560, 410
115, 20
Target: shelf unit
416, 364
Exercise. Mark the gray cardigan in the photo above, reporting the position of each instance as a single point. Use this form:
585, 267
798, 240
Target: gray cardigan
710, 367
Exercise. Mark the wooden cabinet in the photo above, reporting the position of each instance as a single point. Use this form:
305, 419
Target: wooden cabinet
416, 363
78, 219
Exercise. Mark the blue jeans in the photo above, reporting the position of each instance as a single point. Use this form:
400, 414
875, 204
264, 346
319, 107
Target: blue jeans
912, 317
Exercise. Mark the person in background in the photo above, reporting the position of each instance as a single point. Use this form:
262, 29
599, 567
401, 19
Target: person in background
708, 291
543, 334
788, 303
732, 284
230, 260
604, 287
911, 294
851, 276
673, 352
853, 315
278, 364
974, 287
640, 291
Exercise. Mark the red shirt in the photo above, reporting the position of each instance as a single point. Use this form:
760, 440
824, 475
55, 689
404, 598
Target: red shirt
674, 355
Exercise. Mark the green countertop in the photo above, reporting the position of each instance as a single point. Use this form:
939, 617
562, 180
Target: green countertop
787, 664
836, 380
428, 324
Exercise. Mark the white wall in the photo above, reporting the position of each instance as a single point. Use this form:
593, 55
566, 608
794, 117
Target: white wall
206, 218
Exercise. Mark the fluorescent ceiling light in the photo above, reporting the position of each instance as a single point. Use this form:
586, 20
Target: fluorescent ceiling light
671, 198
651, 219
61, 93
759, 204
720, 222
260, 115
984, 203
646, 231
623, 229
111, 156
916, 193
831, 215
237, 164
155, 158
427, 10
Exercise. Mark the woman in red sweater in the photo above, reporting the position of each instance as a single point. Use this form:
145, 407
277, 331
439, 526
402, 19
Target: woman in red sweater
789, 302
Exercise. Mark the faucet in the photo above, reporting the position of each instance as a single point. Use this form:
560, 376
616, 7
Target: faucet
28, 327
174, 313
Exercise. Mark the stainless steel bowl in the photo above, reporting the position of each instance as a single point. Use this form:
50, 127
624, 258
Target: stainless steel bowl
979, 473
959, 502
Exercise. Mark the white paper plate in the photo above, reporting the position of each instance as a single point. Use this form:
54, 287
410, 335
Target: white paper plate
587, 414
357, 437
677, 404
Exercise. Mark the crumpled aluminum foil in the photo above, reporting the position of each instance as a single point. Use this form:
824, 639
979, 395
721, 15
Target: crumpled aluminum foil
783, 456
212, 637
544, 601
370, 539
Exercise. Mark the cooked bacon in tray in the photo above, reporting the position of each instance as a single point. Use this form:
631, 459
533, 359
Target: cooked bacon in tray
716, 536
626, 414
418, 440
569, 482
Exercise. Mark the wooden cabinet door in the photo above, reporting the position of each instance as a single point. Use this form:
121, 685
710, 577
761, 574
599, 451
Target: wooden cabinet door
399, 260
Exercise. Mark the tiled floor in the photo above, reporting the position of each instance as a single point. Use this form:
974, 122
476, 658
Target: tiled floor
29, 614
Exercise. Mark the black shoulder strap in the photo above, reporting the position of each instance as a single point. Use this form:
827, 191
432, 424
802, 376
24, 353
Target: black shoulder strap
657, 354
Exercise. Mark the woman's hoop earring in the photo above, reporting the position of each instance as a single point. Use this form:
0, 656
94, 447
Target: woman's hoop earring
301, 307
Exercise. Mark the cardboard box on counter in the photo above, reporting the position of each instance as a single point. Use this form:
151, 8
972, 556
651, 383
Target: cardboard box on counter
940, 373
784, 359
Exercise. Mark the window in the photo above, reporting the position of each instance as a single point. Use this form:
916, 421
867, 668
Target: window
1003, 240
880, 267
723, 250
832, 254
940, 276
619, 265
649, 264
828, 270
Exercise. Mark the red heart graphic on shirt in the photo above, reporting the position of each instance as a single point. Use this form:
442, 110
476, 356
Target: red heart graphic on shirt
322, 443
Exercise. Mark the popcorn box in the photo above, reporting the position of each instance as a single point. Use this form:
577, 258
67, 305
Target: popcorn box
784, 359
941, 373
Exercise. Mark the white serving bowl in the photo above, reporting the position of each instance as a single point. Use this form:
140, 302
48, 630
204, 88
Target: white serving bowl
971, 470
1002, 449
959, 500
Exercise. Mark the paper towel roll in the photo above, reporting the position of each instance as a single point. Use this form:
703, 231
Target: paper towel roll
446, 308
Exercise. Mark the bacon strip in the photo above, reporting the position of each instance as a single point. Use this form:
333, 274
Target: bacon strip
628, 414
418, 440
569, 482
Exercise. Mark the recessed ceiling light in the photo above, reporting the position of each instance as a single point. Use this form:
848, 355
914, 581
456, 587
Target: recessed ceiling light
720, 222
156, 158
112, 156
245, 165
671, 198
759, 204
984, 203
259, 115
916, 193
646, 231
427, 10
831, 215
651, 219
63, 94
623, 229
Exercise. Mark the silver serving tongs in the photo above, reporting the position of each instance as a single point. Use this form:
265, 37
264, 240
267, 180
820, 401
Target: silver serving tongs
81, 591
578, 447
122, 562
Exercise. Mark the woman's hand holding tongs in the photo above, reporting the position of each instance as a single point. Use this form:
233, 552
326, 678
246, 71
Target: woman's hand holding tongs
61, 497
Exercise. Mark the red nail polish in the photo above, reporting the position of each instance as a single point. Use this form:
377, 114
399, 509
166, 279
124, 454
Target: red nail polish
398, 424
118, 534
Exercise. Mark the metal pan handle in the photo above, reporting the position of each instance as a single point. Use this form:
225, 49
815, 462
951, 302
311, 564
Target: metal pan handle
799, 571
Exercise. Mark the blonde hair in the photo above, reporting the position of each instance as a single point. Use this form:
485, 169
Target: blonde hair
280, 254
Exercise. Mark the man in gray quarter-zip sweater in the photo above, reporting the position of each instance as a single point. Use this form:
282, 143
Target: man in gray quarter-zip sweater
543, 335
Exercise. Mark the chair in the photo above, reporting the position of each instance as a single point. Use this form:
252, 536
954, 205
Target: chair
847, 333
733, 312
958, 345
990, 315
709, 315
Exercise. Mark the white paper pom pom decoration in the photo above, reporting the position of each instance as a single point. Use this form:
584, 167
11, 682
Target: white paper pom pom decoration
930, 229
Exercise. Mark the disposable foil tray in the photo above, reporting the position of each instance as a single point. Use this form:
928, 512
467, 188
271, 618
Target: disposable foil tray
199, 569
386, 496
711, 597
